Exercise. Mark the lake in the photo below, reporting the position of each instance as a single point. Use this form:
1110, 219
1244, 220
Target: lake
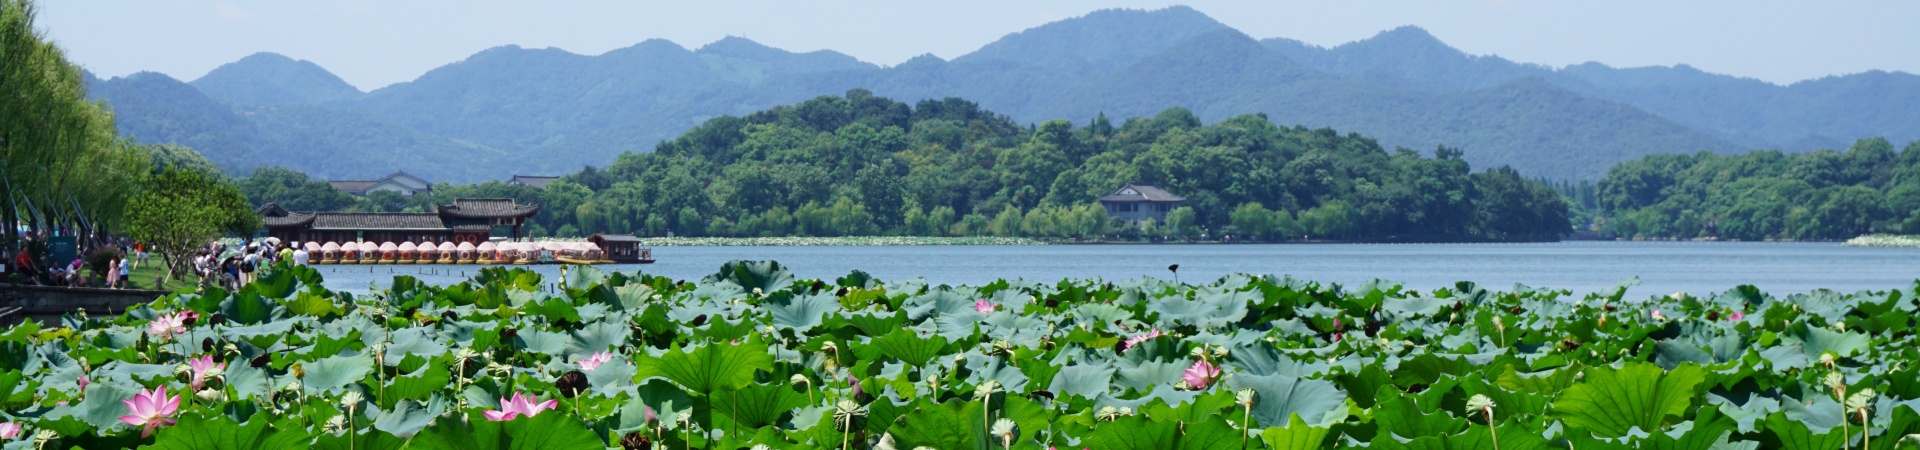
1580, 266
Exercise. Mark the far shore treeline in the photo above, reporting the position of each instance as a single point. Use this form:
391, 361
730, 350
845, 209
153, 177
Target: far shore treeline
860, 165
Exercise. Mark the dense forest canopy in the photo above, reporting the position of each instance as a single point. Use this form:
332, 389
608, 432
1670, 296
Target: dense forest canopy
859, 164
1823, 194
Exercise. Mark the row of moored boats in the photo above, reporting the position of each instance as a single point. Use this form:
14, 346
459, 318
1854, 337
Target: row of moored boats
456, 253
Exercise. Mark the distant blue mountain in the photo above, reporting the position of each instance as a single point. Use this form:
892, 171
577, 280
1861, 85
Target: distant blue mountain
512, 110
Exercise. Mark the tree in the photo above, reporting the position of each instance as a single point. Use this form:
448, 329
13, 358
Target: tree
1253, 219
181, 210
1182, 221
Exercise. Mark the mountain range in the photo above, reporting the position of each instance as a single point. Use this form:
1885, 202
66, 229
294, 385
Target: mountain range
511, 110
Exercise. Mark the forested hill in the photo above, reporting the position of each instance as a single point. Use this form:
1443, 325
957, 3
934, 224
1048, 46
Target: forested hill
1825, 194
860, 164
511, 110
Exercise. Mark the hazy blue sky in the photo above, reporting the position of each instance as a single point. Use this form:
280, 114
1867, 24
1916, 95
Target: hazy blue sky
372, 44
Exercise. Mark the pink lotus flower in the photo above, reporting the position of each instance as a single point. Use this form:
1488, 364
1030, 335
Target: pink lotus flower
167, 325
83, 381
1736, 316
151, 410
9, 430
855, 382
984, 306
200, 367
1154, 333
594, 362
1657, 316
520, 405
1200, 375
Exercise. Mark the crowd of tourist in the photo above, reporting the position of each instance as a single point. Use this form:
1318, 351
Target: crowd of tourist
110, 263
113, 260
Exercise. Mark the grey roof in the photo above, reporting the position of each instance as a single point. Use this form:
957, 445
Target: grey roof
378, 221
352, 186
1141, 192
614, 238
487, 208
533, 181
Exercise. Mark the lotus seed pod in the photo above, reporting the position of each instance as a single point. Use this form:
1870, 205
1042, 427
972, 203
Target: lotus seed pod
292, 386
1243, 397
214, 372
1826, 359
1107, 413
636, 441
211, 395
1005, 429
1219, 352
182, 369
41, 437
799, 379
1861, 400
1198, 352
986, 389
1479, 404
1836, 381
351, 399
338, 422
1126, 410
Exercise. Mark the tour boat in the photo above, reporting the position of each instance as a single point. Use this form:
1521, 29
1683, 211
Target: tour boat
389, 253
330, 253
446, 251
486, 253
369, 253
409, 253
466, 253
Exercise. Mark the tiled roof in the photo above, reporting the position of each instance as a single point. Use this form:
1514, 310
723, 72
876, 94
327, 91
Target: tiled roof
1141, 192
474, 228
539, 182
378, 221
488, 208
352, 186
614, 238
289, 220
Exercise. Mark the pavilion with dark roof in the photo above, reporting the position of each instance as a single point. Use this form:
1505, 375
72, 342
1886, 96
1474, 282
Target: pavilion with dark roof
1138, 202
466, 220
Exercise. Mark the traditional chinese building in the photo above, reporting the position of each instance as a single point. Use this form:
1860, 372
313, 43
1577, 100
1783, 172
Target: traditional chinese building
399, 182
466, 220
1138, 202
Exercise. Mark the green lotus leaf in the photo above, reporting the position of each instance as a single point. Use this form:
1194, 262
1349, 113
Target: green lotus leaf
1610, 401
599, 337
800, 312
331, 375
1815, 341
583, 277
550, 430
1141, 433
542, 342
1195, 407
1705, 431
1402, 416
1794, 435
408, 418
633, 296
419, 385
196, 432
1082, 380
103, 405
1279, 396
1296, 435
767, 276
711, 367
251, 309
908, 347
554, 309
955, 424
758, 405
855, 279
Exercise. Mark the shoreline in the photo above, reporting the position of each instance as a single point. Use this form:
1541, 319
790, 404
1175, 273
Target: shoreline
1884, 241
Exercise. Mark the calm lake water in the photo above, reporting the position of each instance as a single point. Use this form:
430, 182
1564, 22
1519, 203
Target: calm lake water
1662, 267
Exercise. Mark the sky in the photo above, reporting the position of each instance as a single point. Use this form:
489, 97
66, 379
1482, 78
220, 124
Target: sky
372, 44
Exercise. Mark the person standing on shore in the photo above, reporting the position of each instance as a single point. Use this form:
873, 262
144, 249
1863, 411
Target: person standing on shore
300, 256
113, 273
126, 273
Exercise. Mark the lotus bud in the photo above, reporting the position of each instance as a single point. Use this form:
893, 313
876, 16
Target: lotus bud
1244, 397
1198, 352
1107, 414
1219, 352
182, 370
1826, 359
211, 395
799, 379
1499, 324
757, 292
297, 370
292, 386
1839, 325
351, 399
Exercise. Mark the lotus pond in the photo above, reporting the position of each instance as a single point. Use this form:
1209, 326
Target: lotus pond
751, 357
